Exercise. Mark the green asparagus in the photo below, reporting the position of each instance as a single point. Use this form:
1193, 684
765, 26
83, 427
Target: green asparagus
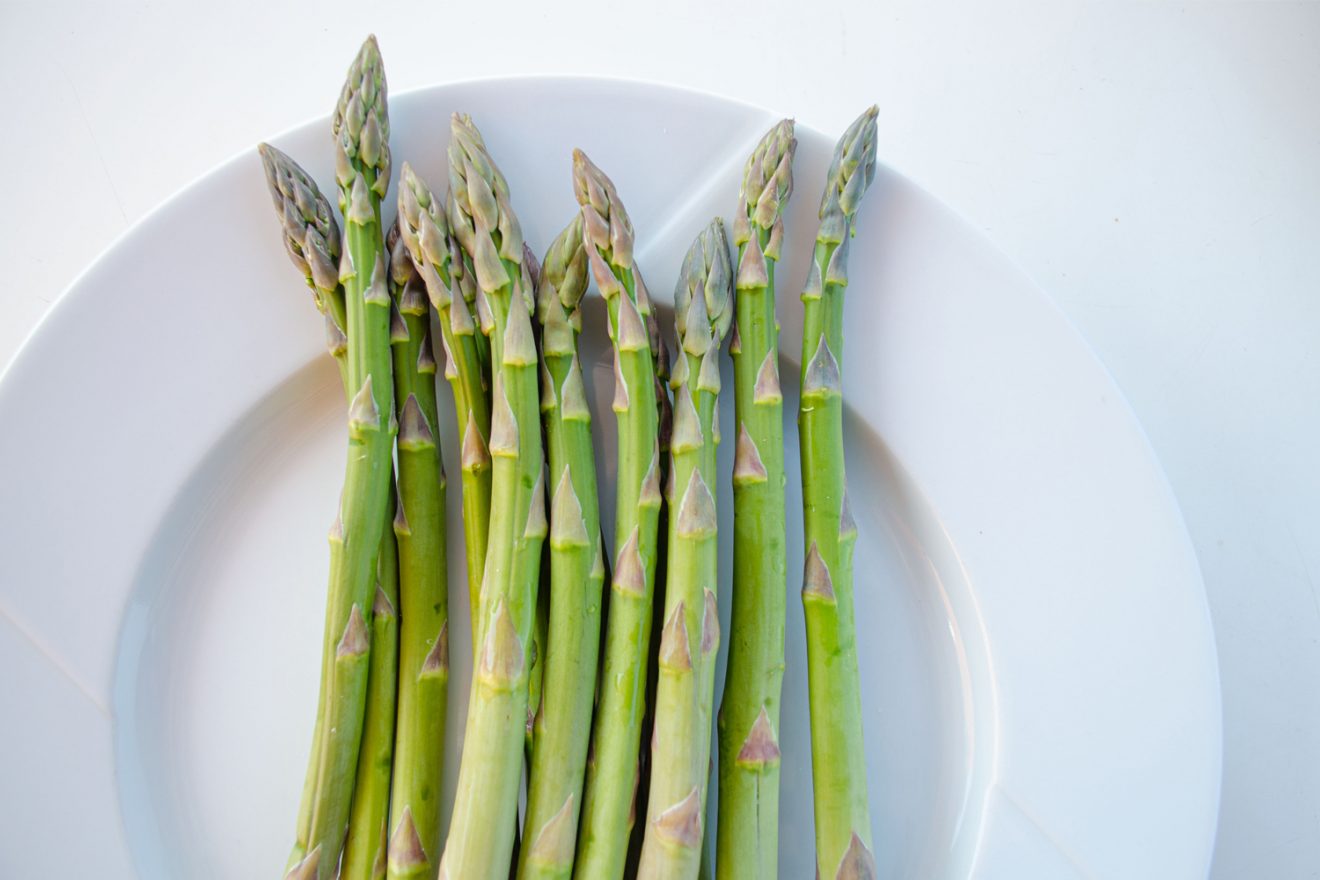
609, 807
419, 525
480, 838
577, 572
452, 289
664, 410
311, 238
838, 758
680, 749
749, 713
361, 128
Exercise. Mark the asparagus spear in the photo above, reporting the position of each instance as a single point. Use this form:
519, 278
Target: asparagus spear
749, 713
664, 409
577, 572
311, 238
361, 128
364, 851
451, 288
485, 811
609, 799
838, 758
541, 616
419, 524
680, 746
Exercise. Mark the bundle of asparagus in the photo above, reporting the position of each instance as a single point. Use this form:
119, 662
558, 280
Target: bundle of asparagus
564, 669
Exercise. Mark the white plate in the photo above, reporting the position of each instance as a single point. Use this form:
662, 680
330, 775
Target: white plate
1040, 690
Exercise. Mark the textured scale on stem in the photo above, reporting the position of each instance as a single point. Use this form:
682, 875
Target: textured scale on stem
607, 242
680, 744
481, 836
748, 842
838, 760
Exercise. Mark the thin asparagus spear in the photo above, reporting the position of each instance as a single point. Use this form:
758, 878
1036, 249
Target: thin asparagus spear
541, 617
311, 238
577, 572
451, 288
609, 806
364, 850
680, 750
749, 712
664, 409
419, 525
838, 757
361, 128
480, 838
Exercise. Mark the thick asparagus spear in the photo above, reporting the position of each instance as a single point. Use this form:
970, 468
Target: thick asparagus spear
361, 128
749, 712
451, 288
577, 572
419, 525
480, 838
680, 749
609, 798
838, 757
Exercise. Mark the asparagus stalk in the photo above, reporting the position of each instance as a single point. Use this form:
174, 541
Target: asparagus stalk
680, 749
364, 851
480, 838
311, 238
749, 713
838, 758
419, 526
664, 410
452, 289
361, 128
609, 805
541, 617
577, 572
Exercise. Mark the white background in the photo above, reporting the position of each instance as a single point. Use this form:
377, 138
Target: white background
1155, 166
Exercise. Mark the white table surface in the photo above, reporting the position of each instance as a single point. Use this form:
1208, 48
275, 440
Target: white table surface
1155, 166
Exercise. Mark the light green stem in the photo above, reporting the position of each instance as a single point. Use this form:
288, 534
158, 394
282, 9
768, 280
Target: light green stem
689, 641
480, 841
577, 574
748, 841
609, 808
364, 852
838, 755
415, 800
